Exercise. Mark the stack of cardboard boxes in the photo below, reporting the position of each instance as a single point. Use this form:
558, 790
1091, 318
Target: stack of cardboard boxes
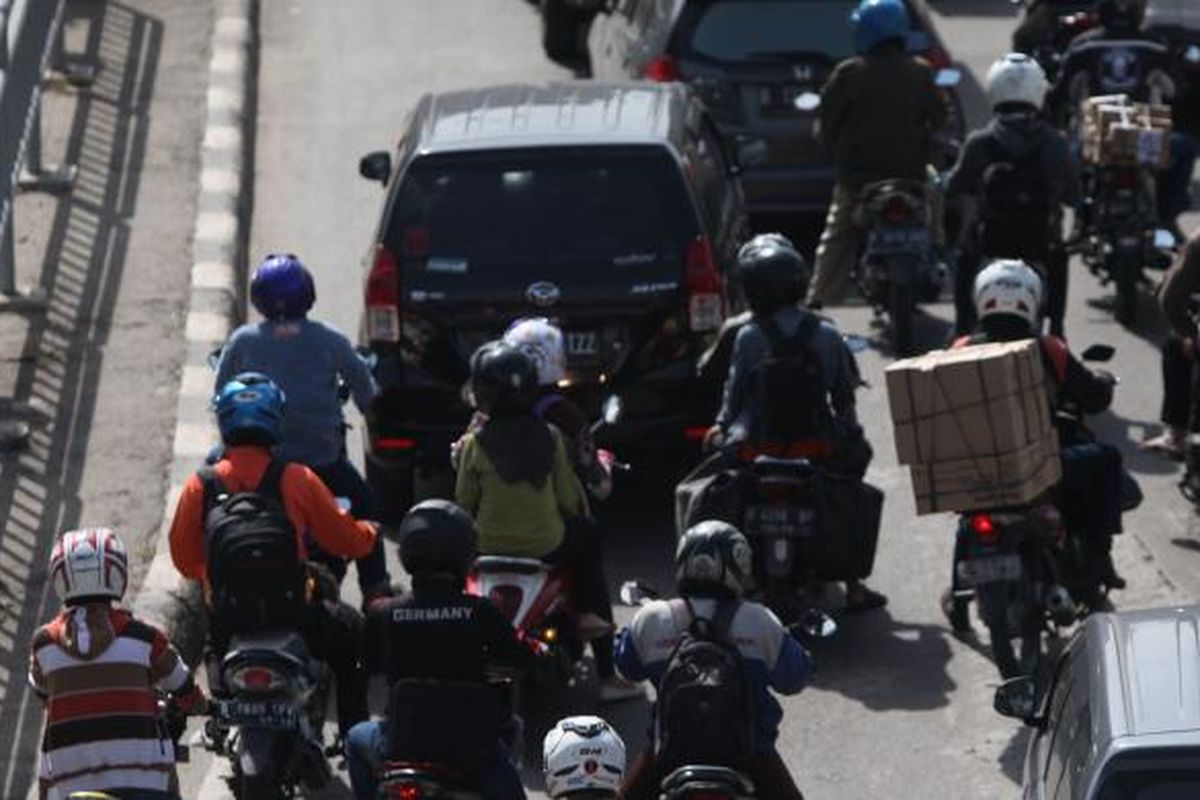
974, 425
1117, 132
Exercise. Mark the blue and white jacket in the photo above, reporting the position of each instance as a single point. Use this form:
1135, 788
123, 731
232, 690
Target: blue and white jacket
773, 659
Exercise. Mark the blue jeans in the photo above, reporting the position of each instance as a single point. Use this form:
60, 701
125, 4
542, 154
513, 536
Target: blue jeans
366, 750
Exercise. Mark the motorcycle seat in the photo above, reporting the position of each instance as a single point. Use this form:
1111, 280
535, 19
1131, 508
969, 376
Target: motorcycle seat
704, 776
286, 643
524, 566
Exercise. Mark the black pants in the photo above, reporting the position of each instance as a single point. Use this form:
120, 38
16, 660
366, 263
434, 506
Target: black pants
333, 632
1179, 406
582, 552
343, 480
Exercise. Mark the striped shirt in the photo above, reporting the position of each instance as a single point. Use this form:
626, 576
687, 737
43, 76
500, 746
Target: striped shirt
98, 667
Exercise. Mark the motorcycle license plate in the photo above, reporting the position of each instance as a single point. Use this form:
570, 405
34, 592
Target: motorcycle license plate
259, 714
990, 569
780, 520
902, 240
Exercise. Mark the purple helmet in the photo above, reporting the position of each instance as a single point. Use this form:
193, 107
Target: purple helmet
282, 288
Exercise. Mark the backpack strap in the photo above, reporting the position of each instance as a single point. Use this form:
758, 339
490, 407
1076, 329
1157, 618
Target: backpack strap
213, 487
270, 485
1056, 351
784, 346
722, 621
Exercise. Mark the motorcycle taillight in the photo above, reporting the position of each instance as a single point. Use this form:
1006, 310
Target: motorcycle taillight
404, 791
255, 679
896, 210
507, 599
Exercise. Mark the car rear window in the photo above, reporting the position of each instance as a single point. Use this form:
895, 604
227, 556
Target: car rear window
1152, 774
585, 212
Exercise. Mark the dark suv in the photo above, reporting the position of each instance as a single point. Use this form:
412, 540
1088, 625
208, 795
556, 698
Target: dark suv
610, 208
749, 60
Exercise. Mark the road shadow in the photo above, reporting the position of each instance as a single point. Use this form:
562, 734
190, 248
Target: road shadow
82, 271
886, 664
1186, 544
1012, 758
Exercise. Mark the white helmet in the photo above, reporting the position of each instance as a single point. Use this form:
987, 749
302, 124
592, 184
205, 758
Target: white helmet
89, 563
543, 342
583, 754
1017, 78
1009, 287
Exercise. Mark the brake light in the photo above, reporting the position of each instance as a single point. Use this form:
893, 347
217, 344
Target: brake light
395, 443
938, 58
706, 308
383, 297
256, 679
896, 210
507, 599
983, 527
404, 791
663, 69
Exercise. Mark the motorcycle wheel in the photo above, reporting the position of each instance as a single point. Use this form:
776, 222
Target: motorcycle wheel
957, 611
1125, 273
257, 787
901, 305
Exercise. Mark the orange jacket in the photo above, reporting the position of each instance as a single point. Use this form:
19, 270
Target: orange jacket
306, 501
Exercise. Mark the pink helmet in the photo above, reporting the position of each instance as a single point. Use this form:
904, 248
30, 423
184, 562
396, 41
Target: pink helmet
89, 563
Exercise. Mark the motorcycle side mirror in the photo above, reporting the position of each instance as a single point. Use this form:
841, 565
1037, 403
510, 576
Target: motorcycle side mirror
368, 357
637, 593
343, 503
815, 624
856, 344
948, 77
613, 410
1192, 54
807, 101
1099, 353
376, 166
1164, 240
214, 358
1017, 698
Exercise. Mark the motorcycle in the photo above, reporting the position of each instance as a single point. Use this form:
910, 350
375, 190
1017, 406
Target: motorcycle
267, 715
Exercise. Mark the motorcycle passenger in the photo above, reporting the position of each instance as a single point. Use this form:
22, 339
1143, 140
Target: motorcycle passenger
98, 670
1118, 57
583, 757
1008, 296
1019, 172
1175, 295
250, 411
878, 114
516, 480
308, 359
712, 571
438, 633
772, 276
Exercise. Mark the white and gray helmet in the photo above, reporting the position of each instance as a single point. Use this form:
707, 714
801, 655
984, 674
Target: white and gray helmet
1009, 286
1017, 79
713, 556
583, 756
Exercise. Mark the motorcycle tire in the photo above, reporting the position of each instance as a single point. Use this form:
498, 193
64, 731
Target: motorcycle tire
901, 308
1003, 653
562, 31
957, 610
257, 787
1125, 273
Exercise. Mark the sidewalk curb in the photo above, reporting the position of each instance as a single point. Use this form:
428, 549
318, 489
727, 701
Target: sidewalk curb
214, 298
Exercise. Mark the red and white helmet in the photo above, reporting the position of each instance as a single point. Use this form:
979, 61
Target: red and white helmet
1009, 287
583, 755
88, 563
542, 341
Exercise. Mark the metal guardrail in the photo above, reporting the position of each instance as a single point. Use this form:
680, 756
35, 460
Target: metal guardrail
29, 33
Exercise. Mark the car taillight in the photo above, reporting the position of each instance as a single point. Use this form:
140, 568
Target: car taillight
896, 210
937, 58
984, 528
706, 308
383, 297
256, 679
507, 599
663, 69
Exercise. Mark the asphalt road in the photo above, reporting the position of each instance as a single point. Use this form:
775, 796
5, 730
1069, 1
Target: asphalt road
899, 707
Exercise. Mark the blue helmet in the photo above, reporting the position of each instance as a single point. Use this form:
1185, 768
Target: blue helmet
282, 288
250, 410
876, 21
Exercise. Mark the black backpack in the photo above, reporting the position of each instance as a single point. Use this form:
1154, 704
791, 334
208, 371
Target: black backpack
1014, 205
705, 710
255, 573
787, 388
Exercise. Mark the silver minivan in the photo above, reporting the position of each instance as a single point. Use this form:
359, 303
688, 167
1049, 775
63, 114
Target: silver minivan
1120, 719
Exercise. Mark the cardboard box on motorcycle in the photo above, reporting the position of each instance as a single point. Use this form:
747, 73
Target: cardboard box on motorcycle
975, 425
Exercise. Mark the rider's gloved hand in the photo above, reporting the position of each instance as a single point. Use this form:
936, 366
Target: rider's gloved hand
714, 437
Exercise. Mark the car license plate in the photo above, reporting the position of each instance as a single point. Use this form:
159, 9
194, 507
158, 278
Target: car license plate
989, 569
259, 714
780, 100
582, 344
780, 520
899, 239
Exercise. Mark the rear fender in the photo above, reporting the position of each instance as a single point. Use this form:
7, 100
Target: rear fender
259, 751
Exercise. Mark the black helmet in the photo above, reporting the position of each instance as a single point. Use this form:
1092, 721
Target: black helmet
504, 379
772, 273
437, 537
1121, 13
713, 558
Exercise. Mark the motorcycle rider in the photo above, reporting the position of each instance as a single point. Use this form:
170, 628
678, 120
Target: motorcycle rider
878, 113
583, 757
515, 478
308, 359
250, 411
712, 567
1175, 295
439, 633
1008, 298
1118, 57
772, 276
1038, 24
1022, 155
98, 670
